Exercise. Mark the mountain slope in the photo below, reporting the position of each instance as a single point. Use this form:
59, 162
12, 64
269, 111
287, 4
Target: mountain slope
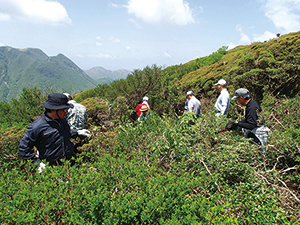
25, 68
102, 75
262, 67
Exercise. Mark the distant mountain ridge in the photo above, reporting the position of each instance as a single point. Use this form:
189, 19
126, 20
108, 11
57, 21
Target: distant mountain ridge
102, 75
31, 67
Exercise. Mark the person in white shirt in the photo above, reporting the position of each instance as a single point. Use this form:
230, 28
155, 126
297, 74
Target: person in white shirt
194, 104
222, 103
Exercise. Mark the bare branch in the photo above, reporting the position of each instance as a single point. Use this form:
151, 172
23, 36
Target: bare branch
274, 167
287, 189
277, 120
209, 172
291, 168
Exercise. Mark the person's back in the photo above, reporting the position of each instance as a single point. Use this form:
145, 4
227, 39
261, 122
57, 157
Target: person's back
138, 109
194, 106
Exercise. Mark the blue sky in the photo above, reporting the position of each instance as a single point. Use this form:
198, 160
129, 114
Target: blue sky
132, 34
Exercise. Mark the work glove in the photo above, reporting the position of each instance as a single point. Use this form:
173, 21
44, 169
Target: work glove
84, 132
231, 125
41, 167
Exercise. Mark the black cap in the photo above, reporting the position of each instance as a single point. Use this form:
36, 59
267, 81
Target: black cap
57, 101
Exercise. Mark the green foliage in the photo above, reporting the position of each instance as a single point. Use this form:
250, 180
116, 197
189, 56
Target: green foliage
164, 170
9, 144
97, 110
158, 172
21, 111
212, 58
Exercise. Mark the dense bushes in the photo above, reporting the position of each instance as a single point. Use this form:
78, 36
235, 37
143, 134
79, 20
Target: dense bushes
161, 171
21, 111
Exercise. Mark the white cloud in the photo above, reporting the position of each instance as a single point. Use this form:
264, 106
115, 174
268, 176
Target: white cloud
285, 14
39, 11
135, 23
114, 5
98, 44
155, 11
245, 40
231, 46
127, 47
264, 37
167, 55
244, 37
113, 39
4, 17
1, 44
102, 56
80, 56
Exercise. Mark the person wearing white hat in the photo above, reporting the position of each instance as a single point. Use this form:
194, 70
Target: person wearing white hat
194, 105
223, 101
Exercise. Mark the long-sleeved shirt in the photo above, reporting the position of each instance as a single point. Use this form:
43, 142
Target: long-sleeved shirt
251, 116
50, 137
222, 103
194, 106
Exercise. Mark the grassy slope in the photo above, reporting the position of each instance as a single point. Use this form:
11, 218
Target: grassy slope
233, 67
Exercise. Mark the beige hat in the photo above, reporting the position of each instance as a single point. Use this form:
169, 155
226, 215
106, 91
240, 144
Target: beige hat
144, 108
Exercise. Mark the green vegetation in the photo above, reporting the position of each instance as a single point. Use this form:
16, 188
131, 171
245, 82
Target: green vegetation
161, 171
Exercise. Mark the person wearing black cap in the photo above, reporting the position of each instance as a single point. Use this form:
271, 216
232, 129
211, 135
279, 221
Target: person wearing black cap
251, 123
50, 134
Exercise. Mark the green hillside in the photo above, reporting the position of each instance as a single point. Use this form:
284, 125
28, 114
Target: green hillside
268, 68
102, 75
164, 171
28, 68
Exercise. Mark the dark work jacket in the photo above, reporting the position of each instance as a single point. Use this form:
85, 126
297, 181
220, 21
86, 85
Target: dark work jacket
51, 138
251, 116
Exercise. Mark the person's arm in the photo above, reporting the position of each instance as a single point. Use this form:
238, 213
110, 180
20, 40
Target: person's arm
250, 119
224, 101
85, 117
190, 106
26, 146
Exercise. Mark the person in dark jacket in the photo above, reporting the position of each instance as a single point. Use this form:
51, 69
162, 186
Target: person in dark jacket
251, 124
50, 134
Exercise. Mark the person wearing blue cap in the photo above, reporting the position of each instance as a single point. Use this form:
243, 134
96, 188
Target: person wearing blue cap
50, 134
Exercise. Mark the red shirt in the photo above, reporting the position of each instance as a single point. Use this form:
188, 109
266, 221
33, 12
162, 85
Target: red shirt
137, 109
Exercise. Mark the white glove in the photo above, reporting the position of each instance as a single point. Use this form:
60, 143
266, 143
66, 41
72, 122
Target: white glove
41, 167
84, 132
